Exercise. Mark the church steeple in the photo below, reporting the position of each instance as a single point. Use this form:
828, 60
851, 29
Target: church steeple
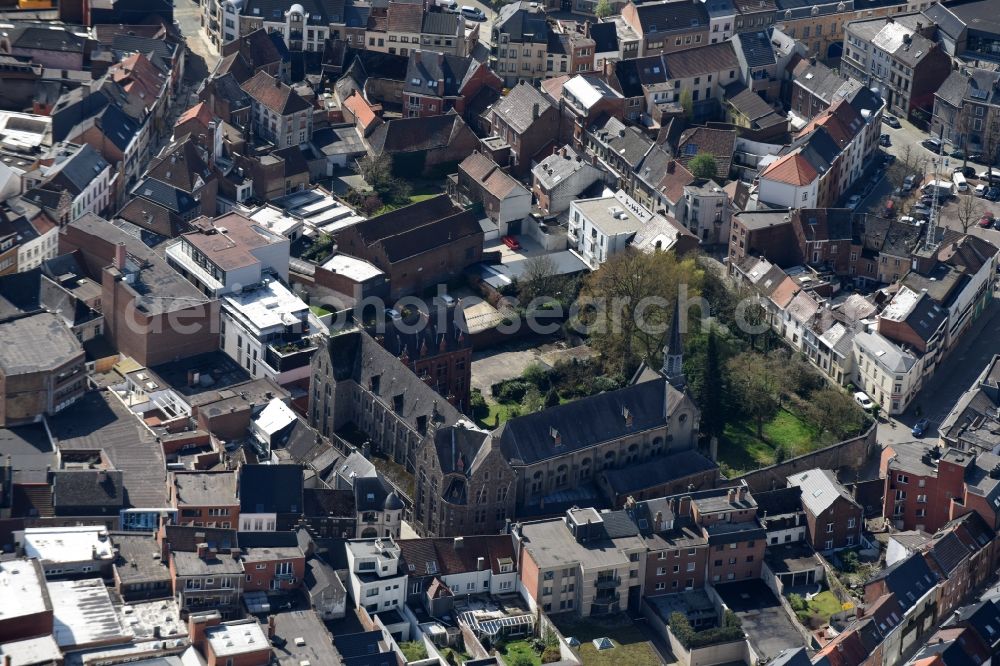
673, 352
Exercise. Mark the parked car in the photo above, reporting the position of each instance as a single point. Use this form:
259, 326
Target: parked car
889, 159
958, 154
910, 182
933, 145
966, 171
884, 140
473, 13
989, 174
393, 314
977, 157
891, 121
853, 201
993, 194
920, 427
981, 190
863, 400
511, 242
986, 221
920, 210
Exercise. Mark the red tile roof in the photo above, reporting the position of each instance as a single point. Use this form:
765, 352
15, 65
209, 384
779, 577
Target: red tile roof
199, 112
793, 169
363, 113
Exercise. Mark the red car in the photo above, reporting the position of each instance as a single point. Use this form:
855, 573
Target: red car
511, 242
986, 221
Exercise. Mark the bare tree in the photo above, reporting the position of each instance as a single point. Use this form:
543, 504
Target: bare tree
969, 210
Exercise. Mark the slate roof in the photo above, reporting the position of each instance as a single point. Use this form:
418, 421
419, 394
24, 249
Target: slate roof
46, 38
328, 502
179, 165
672, 466
79, 169
171, 198
517, 106
460, 450
522, 23
270, 489
700, 60
73, 489
319, 12
162, 49
908, 580
820, 489
669, 16
584, 423
441, 23
371, 493
756, 48
274, 94
413, 135
627, 142
719, 143
605, 36
426, 68
780, 501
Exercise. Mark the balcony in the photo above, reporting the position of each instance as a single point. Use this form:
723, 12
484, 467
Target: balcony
284, 576
285, 355
607, 583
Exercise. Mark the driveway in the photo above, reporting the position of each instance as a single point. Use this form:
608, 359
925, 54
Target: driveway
765, 622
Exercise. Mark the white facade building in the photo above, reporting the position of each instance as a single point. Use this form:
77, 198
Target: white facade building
376, 582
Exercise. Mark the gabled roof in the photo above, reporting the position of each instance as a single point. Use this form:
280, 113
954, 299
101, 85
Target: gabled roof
523, 23
79, 169
441, 23
820, 489
517, 107
72, 489
273, 94
669, 16
908, 580
586, 422
605, 36
700, 60
404, 17
792, 169
412, 135
181, 166
449, 556
47, 38
756, 47
426, 70
719, 143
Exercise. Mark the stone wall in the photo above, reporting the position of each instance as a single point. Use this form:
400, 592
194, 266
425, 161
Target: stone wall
851, 454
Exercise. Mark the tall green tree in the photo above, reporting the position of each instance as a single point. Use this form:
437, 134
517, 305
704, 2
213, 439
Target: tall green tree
755, 388
603, 9
713, 407
703, 165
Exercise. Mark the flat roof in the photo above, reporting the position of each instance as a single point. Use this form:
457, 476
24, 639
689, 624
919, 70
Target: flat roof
84, 614
139, 561
37, 343
143, 619
41, 650
551, 544
68, 544
306, 640
205, 488
23, 585
237, 638
268, 306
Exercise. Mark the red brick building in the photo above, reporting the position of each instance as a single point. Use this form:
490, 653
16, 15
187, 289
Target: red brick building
437, 83
832, 514
205, 499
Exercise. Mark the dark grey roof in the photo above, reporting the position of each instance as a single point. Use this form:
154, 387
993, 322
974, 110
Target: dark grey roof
100, 489
627, 75
522, 23
185, 538
133, 43
28, 447
909, 580
628, 142
440, 23
359, 645
426, 68
370, 493
756, 48
414, 135
517, 106
605, 36
79, 169
173, 199
635, 478
583, 423
270, 489
47, 38
138, 560
322, 502
792, 657
660, 17
779, 501
117, 126
319, 12
948, 552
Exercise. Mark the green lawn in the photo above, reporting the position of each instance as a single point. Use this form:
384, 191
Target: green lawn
496, 408
414, 650
517, 649
825, 604
742, 451
319, 310
631, 647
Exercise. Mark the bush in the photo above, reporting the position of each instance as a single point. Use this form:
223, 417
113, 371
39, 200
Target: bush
730, 631
797, 603
511, 390
477, 404
551, 655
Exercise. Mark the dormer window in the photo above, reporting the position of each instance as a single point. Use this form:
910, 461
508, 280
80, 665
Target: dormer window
628, 417
556, 437
374, 383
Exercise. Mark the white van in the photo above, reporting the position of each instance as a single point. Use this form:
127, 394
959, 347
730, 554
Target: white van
961, 184
449, 6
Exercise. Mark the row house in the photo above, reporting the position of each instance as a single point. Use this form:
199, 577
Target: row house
819, 26
570, 50
582, 100
834, 517
437, 83
205, 568
967, 111
279, 114
587, 563
897, 57
972, 420
205, 499
519, 50
527, 121
668, 26
961, 554
143, 90
480, 180
377, 579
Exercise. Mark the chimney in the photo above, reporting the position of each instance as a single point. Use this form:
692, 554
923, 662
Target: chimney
741, 494
416, 57
535, 110
458, 542
120, 255
270, 626
480, 563
731, 495
202, 550
812, 60
670, 166
198, 623
277, 82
